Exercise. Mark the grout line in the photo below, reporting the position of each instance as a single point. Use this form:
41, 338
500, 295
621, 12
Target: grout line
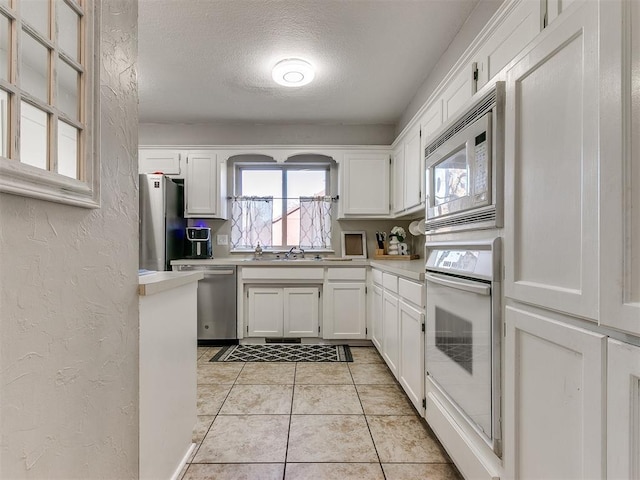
293, 392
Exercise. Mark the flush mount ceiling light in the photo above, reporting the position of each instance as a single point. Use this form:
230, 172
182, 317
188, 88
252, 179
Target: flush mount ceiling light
293, 72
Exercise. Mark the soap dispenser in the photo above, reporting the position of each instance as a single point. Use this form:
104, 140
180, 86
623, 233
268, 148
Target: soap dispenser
258, 252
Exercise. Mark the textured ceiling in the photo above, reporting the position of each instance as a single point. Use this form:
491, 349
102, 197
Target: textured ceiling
206, 61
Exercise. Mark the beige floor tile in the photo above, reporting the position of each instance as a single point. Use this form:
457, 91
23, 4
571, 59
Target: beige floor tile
211, 398
384, 400
245, 439
366, 355
218, 372
371, 374
333, 471
404, 439
208, 355
253, 471
330, 438
201, 351
323, 374
267, 373
202, 427
326, 400
258, 400
425, 471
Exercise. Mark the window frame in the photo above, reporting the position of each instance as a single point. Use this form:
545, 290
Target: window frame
25, 180
284, 169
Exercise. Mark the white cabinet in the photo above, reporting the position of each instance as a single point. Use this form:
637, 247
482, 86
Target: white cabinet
205, 186
620, 175
411, 368
376, 317
364, 185
390, 331
265, 310
516, 30
557, 7
407, 173
282, 311
158, 160
430, 122
554, 398
623, 410
345, 310
457, 93
552, 169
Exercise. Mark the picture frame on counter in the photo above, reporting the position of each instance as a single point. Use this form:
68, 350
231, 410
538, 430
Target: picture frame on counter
354, 244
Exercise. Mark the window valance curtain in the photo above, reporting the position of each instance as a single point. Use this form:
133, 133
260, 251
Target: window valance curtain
251, 222
315, 222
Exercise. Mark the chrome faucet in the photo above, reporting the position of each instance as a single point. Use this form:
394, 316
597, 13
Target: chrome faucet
291, 250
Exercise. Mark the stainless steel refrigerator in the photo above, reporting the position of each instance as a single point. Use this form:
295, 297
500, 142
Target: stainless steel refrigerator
162, 223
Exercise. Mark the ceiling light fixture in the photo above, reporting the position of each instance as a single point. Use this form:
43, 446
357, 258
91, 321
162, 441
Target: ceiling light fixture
293, 72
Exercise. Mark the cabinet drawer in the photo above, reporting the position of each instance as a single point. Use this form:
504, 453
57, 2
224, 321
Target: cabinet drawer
347, 274
377, 276
390, 282
296, 273
411, 291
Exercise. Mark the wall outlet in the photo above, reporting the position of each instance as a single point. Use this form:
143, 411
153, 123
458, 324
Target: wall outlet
222, 239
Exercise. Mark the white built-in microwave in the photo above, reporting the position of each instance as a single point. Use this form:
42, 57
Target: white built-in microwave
464, 169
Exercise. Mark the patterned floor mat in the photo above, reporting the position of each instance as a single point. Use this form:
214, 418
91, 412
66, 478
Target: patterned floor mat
284, 353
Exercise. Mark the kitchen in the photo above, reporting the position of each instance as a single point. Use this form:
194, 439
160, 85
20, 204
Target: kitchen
570, 312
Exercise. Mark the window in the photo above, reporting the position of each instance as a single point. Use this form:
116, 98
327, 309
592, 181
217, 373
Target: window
47, 88
293, 197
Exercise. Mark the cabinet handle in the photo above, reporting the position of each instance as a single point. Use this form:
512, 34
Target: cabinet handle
467, 286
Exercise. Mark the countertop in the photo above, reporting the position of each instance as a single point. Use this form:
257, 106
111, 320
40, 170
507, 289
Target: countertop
410, 269
152, 283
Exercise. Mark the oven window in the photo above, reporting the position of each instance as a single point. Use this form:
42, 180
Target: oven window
451, 177
454, 337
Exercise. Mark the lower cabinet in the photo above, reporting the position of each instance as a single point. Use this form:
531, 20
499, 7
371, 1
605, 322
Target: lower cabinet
376, 317
411, 373
554, 397
390, 331
283, 311
345, 310
623, 410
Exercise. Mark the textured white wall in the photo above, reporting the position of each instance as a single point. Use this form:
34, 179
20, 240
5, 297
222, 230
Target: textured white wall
265, 134
69, 305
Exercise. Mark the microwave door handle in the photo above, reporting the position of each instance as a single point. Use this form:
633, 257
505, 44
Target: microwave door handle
466, 286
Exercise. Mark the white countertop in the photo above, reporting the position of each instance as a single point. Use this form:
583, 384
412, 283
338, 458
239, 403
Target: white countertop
411, 269
152, 283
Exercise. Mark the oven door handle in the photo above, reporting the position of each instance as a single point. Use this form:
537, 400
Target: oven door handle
467, 286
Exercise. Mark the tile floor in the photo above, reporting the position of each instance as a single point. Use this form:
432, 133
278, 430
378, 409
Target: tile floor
309, 421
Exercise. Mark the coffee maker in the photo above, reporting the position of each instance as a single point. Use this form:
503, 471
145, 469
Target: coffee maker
200, 240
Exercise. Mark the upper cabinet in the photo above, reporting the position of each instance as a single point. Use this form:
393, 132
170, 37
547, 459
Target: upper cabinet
517, 28
412, 170
205, 192
552, 168
457, 93
364, 185
168, 162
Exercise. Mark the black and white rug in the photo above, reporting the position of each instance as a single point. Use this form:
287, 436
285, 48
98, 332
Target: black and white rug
284, 353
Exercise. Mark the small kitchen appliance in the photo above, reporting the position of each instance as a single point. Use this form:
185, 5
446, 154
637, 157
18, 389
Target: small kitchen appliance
200, 239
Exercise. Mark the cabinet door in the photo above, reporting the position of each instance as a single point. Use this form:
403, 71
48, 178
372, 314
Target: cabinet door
301, 311
557, 7
157, 160
390, 331
518, 28
398, 179
458, 92
620, 180
412, 185
623, 410
204, 186
430, 123
345, 311
551, 169
376, 317
554, 398
264, 312
365, 184
411, 374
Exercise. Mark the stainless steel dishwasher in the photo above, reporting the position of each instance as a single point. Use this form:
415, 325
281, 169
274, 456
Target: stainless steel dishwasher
217, 322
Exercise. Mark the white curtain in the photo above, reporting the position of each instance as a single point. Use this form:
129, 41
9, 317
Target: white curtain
315, 222
251, 222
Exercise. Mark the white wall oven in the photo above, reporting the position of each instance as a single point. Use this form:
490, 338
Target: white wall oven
462, 344
464, 168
